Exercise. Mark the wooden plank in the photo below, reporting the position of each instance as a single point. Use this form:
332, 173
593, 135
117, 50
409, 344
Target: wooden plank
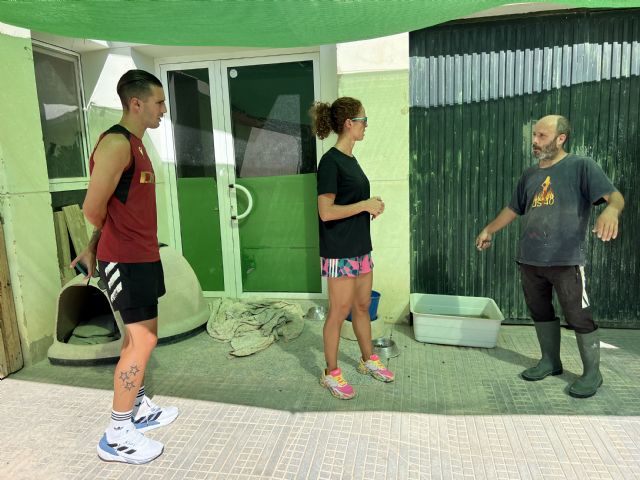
64, 248
10, 350
77, 227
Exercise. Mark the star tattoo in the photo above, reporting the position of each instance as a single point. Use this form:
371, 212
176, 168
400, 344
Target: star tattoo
134, 369
129, 385
124, 376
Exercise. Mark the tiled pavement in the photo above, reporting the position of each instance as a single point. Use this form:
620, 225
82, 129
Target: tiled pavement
453, 412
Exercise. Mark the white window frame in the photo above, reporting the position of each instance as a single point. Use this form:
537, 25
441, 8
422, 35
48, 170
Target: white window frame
70, 183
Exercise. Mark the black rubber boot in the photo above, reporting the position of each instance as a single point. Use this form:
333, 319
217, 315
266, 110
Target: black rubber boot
550, 364
587, 385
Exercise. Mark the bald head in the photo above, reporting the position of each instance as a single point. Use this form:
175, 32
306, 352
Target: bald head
549, 136
558, 123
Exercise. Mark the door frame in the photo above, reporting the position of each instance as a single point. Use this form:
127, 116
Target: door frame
225, 163
170, 156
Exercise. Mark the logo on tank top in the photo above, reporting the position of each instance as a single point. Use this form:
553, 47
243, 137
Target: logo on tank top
147, 177
544, 197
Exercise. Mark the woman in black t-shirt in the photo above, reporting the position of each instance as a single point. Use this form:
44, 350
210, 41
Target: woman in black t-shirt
345, 208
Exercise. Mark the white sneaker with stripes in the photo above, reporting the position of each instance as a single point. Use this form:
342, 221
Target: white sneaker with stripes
150, 415
129, 447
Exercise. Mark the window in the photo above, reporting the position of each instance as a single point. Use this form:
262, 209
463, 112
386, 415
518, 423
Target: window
58, 83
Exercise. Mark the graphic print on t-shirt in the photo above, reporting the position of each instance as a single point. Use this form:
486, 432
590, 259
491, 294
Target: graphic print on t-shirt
544, 197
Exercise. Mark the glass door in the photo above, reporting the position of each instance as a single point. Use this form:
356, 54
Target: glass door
242, 182
196, 191
266, 103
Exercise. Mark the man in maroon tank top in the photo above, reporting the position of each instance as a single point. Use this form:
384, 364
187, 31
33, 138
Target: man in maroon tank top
121, 205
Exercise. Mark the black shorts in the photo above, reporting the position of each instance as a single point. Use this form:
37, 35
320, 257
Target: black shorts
133, 288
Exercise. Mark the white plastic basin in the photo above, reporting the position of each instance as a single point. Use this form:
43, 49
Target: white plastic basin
455, 320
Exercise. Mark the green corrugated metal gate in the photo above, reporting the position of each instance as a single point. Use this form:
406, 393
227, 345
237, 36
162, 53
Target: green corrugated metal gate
476, 89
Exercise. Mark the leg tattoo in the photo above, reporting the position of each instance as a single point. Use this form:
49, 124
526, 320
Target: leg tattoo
127, 377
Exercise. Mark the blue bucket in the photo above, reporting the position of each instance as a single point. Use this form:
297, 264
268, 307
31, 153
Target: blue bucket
373, 308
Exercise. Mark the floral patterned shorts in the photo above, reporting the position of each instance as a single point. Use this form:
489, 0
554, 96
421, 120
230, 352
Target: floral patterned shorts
346, 267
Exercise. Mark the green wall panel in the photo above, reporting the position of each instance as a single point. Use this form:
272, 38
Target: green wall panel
476, 90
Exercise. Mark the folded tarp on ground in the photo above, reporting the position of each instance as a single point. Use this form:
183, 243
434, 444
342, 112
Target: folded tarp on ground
253, 325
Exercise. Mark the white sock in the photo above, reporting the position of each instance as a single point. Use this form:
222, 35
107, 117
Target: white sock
119, 422
138, 402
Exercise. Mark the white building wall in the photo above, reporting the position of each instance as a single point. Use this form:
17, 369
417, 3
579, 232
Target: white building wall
25, 202
377, 73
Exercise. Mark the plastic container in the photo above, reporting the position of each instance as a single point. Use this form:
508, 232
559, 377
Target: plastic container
455, 320
373, 307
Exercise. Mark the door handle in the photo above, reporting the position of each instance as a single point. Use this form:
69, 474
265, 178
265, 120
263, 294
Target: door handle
249, 199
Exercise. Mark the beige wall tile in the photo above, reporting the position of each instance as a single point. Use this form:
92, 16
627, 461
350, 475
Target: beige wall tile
384, 156
384, 152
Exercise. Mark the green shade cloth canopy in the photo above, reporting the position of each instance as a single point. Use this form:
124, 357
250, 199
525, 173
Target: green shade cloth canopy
247, 23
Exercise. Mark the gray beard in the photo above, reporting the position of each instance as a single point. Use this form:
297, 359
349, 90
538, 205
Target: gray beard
546, 153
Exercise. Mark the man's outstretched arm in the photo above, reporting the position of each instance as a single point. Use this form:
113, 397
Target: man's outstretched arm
504, 218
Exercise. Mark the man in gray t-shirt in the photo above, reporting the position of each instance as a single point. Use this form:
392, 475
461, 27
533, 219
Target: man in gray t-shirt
554, 199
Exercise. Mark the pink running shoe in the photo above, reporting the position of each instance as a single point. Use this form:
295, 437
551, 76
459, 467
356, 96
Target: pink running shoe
337, 385
376, 369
